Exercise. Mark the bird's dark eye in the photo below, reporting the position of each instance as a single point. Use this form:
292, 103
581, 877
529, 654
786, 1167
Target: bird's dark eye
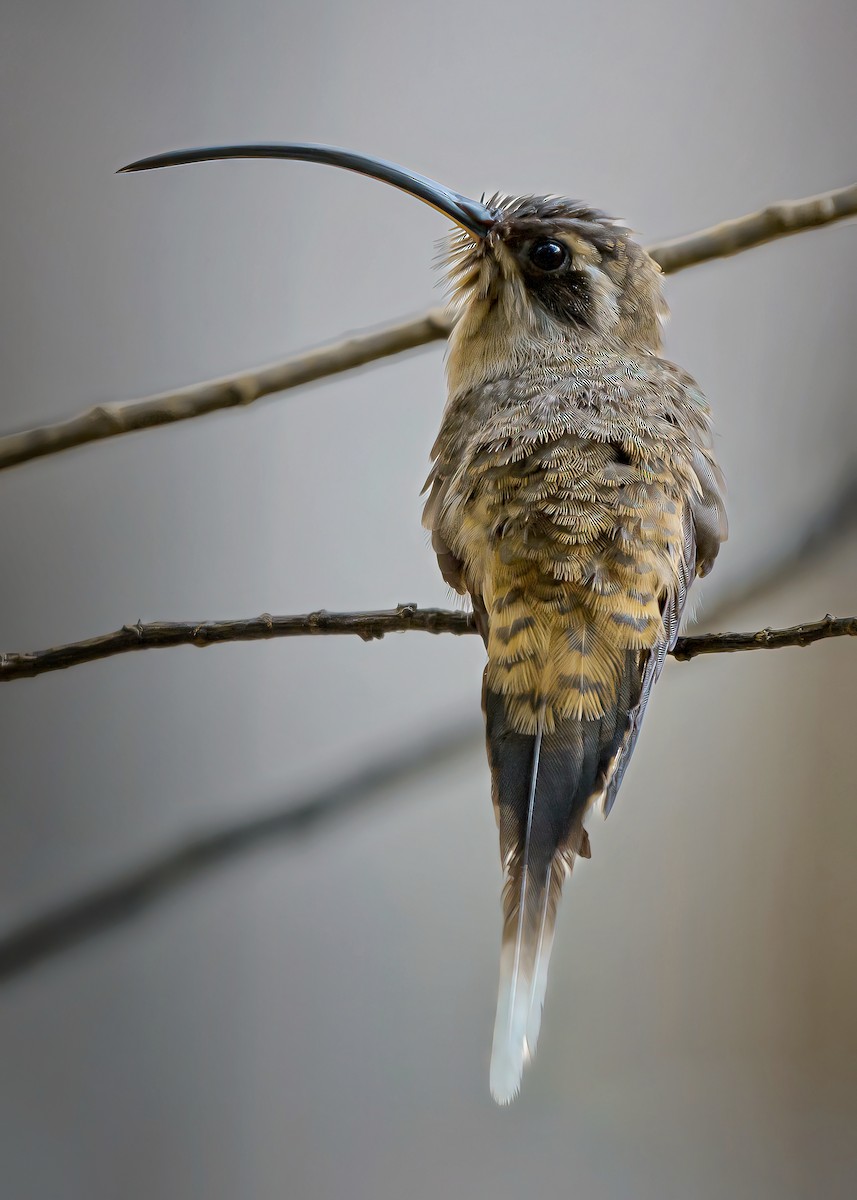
548, 255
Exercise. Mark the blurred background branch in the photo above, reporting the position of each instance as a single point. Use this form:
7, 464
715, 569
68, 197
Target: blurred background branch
132, 891
112, 419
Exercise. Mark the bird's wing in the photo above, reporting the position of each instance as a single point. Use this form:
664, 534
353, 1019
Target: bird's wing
705, 528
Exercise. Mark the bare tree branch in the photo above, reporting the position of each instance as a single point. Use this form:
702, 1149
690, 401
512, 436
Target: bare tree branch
832, 519
162, 634
232, 391
112, 419
804, 634
366, 625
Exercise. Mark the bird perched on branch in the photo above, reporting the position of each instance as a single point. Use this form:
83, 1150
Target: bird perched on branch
574, 497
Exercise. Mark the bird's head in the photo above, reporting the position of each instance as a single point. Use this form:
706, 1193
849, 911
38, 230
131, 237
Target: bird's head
533, 279
548, 277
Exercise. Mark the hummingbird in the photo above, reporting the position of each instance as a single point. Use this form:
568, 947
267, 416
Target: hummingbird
574, 497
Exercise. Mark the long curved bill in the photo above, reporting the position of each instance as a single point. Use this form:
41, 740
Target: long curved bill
471, 215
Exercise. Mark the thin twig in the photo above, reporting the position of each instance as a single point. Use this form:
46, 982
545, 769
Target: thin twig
112, 419
162, 634
834, 517
366, 625
804, 634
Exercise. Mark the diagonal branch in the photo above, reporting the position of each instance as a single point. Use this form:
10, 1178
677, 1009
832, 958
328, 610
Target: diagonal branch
766, 225
112, 419
138, 887
232, 391
366, 625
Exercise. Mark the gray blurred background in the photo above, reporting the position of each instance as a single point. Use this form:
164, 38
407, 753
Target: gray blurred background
313, 1020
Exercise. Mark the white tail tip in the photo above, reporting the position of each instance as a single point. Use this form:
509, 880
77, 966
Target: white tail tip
516, 1026
520, 1000
509, 1051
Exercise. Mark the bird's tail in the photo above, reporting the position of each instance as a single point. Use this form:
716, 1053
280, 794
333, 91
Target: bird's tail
542, 783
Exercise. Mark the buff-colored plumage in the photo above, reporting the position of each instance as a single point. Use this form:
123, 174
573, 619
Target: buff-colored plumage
574, 496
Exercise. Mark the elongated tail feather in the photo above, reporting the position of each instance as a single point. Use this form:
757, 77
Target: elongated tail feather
521, 953
543, 784
523, 980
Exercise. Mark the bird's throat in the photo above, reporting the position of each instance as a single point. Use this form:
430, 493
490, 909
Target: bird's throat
490, 342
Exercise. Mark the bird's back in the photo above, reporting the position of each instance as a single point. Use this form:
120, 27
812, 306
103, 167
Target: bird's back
565, 502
